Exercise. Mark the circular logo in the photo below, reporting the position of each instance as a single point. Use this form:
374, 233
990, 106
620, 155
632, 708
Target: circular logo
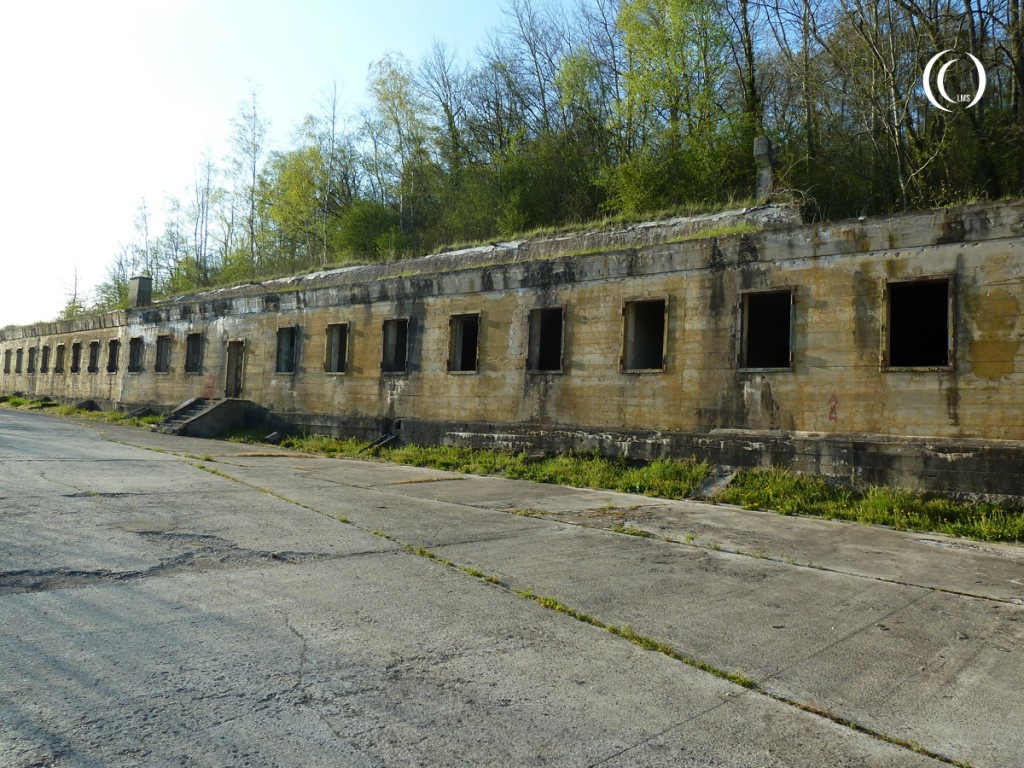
940, 82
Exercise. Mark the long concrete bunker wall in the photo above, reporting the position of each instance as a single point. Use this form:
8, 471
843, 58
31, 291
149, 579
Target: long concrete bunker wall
878, 350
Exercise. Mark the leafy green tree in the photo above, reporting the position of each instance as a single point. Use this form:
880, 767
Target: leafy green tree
246, 163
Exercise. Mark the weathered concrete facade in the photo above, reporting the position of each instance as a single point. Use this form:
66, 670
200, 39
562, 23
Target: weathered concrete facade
883, 350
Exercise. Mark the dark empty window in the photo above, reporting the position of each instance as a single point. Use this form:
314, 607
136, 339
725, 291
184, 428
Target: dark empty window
94, 357
135, 354
113, 353
768, 329
545, 352
644, 335
464, 338
32, 359
76, 357
336, 356
193, 353
7, 361
920, 324
395, 346
18, 357
163, 354
58, 361
44, 360
286, 338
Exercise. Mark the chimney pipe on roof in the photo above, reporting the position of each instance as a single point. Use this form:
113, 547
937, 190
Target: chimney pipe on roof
140, 291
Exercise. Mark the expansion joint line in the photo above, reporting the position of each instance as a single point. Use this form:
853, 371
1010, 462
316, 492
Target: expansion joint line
625, 631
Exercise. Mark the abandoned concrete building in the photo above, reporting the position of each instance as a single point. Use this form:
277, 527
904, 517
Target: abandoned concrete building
882, 350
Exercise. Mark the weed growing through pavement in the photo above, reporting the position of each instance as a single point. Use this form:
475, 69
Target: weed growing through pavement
631, 531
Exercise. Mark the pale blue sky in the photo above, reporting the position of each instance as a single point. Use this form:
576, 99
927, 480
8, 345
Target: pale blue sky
107, 102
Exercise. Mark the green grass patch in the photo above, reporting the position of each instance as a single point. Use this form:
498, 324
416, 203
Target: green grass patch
663, 478
247, 435
107, 417
327, 446
791, 494
110, 417
705, 233
612, 221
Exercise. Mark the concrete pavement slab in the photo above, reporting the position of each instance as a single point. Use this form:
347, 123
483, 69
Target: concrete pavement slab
325, 664
867, 634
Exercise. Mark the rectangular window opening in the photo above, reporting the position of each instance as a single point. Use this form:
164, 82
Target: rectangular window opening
94, 357
32, 351
193, 353
644, 335
395, 346
464, 340
545, 352
336, 356
18, 356
163, 354
76, 357
135, 354
920, 323
58, 360
286, 338
7, 361
44, 360
113, 353
768, 329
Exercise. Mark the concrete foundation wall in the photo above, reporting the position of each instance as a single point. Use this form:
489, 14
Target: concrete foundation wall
837, 379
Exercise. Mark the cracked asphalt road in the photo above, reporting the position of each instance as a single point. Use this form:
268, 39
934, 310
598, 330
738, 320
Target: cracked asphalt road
169, 601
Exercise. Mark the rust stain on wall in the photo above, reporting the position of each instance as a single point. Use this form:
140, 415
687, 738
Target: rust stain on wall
838, 326
996, 343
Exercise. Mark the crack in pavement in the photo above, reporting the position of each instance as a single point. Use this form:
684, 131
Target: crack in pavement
555, 517
759, 688
729, 699
208, 553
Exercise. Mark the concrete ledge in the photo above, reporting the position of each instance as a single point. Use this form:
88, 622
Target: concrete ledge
969, 469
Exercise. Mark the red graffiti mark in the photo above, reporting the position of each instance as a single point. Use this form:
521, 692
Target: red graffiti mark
833, 408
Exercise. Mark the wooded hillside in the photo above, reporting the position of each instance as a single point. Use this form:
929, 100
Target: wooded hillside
569, 113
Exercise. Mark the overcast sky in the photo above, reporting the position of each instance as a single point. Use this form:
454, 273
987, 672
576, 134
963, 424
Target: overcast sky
107, 102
